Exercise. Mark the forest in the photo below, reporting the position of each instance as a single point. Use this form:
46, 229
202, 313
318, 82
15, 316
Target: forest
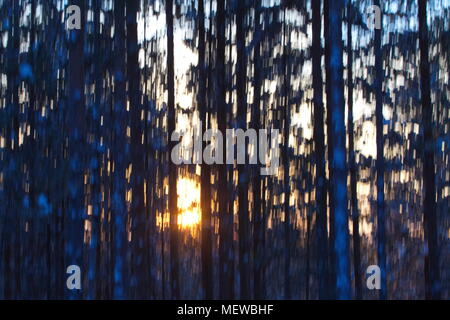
357, 92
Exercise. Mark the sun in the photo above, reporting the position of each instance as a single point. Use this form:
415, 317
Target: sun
188, 191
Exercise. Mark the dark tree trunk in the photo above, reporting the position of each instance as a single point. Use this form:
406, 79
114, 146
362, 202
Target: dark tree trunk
319, 141
338, 156
381, 221
226, 263
432, 272
351, 159
205, 195
75, 124
138, 216
119, 151
173, 206
308, 255
243, 172
286, 158
258, 249
94, 199
330, 186
10, 236
31, 154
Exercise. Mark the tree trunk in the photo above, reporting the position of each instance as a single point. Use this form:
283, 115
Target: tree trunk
243, 172
432, 273
339, 167
94, 198
138, 216
205, 194
226, 263
75, 122
258, 279
381, 223
286, 157
11, 162
119, 147
332, 263
319, 141
351, 159
173, 206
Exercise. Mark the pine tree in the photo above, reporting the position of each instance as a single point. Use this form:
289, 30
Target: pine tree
432, 272
338, 156
173, 206
319, 142
205, 192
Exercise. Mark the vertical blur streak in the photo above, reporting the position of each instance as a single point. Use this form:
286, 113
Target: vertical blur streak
226, 264
286, 155
319, 151
330, 186
381, 220
432, 276
205, 192
243, 174
338, 159
258, 276
75, 124
119, 151
138, 216
351, 159
173, 207
93, 251
10, 241
32, 147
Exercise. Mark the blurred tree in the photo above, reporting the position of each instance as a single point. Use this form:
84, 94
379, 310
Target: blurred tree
319, 142
351, 157
338, 175
119, 151
226, 261
432, 273
75, 117
205, 191
171, 126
